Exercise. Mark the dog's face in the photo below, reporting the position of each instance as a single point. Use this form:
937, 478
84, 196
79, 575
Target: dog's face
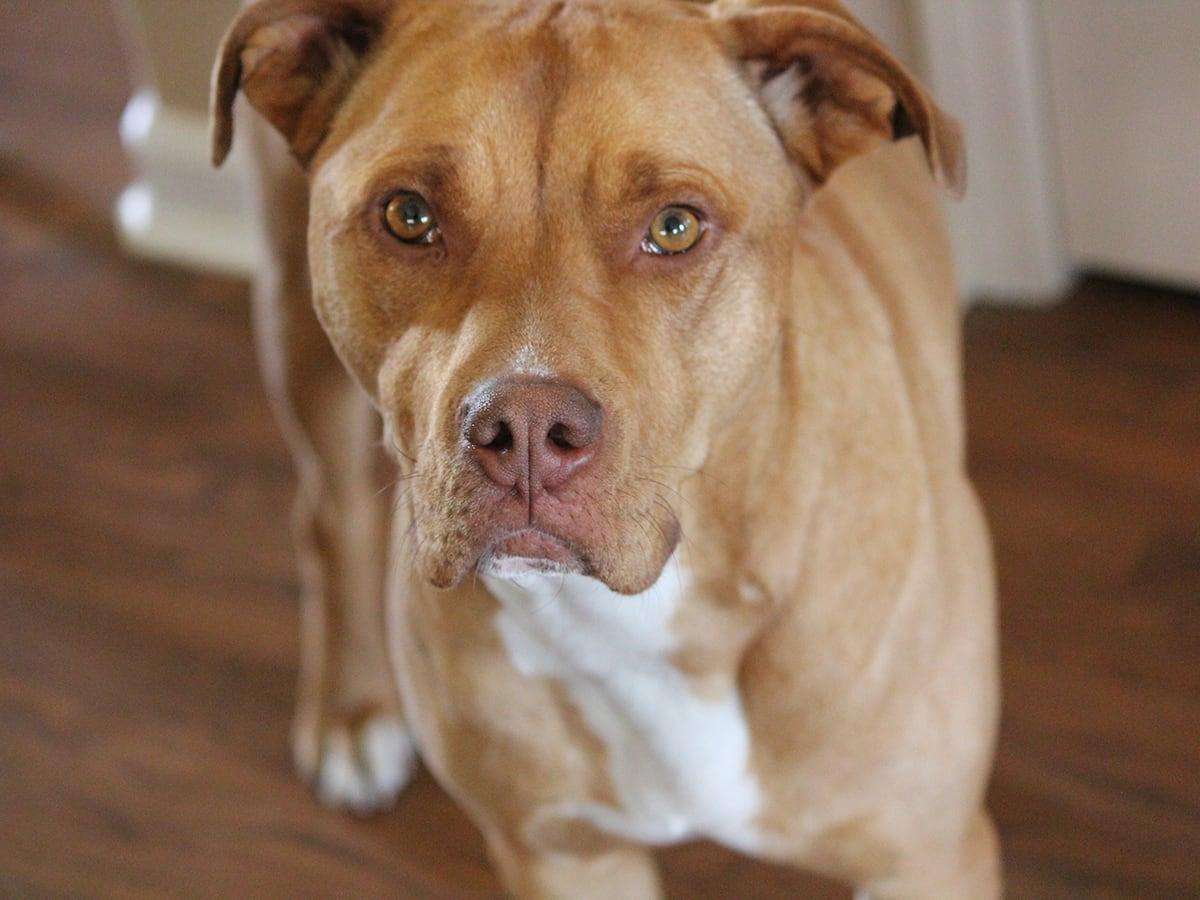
555, 242
544, 150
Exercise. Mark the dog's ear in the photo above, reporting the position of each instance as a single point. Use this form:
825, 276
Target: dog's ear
294, 60
832, 90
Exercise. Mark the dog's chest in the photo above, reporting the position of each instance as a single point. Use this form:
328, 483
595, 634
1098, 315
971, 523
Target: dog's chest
678, 760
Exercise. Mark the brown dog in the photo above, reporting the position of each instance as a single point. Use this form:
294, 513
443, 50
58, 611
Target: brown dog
659, 316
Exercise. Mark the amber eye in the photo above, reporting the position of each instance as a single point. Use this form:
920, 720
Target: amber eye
409, 219
675, 229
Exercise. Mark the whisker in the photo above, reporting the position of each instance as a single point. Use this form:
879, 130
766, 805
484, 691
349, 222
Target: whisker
682, 499
688, 469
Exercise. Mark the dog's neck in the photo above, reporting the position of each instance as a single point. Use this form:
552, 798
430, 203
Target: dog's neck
838, 460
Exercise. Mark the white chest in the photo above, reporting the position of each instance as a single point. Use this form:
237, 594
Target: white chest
678, 761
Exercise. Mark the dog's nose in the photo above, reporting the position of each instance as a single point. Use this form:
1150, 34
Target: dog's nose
532, 434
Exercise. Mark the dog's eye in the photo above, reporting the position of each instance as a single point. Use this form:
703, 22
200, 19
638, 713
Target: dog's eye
409, 219
675, 229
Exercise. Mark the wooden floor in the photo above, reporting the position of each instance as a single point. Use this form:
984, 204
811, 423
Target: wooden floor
147, 617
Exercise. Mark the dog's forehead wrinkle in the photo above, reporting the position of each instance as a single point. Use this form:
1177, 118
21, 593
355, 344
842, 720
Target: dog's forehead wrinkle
512, 11
551, 56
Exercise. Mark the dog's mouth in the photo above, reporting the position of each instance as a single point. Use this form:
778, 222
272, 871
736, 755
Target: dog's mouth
458, 529
530, 550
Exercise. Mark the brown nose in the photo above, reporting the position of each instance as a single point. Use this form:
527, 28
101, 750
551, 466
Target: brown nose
530, 434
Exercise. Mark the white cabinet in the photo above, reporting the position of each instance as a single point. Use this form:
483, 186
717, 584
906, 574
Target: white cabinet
1125, 105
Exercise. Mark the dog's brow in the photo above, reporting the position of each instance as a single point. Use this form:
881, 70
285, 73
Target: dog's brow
645, 175
437, 166
433, 168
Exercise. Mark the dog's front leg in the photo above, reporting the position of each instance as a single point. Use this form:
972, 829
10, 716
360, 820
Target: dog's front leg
349, 738
968, 868
619, 873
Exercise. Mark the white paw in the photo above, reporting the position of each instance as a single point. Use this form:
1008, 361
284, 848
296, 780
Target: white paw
363, 769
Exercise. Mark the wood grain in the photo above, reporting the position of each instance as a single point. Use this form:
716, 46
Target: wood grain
147, 596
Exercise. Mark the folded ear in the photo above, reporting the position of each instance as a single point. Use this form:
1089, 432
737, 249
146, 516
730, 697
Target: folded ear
295, 61
833, 91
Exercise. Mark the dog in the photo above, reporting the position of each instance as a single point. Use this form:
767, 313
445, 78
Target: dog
655, 303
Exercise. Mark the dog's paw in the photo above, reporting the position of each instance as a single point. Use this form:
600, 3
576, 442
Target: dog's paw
363, 767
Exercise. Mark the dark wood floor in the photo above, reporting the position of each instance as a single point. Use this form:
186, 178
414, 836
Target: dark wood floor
147, 619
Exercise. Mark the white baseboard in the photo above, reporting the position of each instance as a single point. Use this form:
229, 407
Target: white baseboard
179, 208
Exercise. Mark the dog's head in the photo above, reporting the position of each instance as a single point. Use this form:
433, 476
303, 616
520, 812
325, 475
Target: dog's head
554, 239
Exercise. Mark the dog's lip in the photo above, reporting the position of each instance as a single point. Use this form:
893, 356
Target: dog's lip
533, 543
530, 549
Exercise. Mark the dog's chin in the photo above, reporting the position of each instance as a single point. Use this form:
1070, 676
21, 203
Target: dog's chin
531, 550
